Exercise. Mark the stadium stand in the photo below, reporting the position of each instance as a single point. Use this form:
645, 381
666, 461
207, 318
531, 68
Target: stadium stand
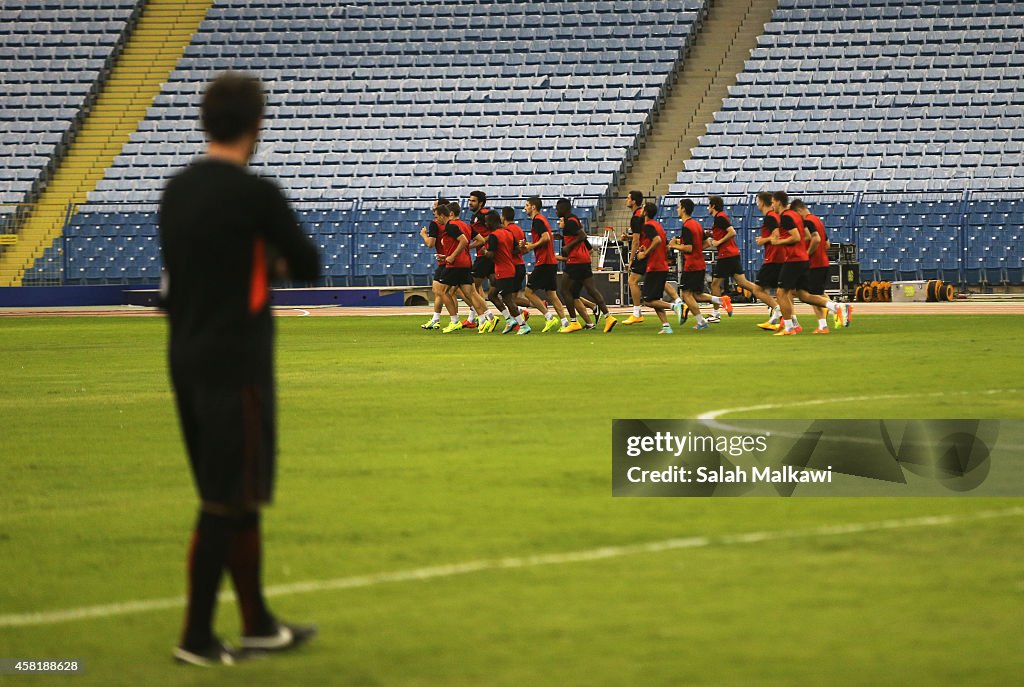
905, 116
356, 116
51, 65
909, 110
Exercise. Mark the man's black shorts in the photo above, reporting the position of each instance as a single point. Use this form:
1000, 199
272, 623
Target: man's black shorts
456, 276
520, 277
654, 285
483, 268
506, 287
230, 437
794, 275
726, 267
639, 266
768, 275
692, 281
438, 271
543, 278
817, 278
579, 272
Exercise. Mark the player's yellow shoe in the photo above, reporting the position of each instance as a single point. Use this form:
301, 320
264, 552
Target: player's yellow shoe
487, 326
549, 325
769, 327
633, 319
609, 323
783, 332
452, 327
573, 326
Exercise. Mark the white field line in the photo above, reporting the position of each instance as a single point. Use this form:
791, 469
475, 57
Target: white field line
511, 563
715, 414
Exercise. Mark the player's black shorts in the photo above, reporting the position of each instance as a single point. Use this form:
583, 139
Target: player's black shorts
506, 287
520, 277
654, 285
817, 278
456, 276
578, 272
794, 275
438, 271
768, 275
726, 267
639, 266
229, 433
692, 281
483, 268
544, 278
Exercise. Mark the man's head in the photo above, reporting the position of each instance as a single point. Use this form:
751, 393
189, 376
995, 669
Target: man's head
440, 201
685, 209
454, 209
780, 201
533, 206
563, 208
231, 111
492, 221
634, 200
799, 207
442, 213
508, 215
764, 202
477, 199
716, 204
650, 210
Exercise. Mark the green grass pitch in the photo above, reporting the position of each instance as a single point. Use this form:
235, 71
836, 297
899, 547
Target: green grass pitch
402, 449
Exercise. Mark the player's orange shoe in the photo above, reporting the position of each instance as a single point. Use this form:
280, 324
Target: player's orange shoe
819, 330
727, 304
632, 319
783, 332
769, 327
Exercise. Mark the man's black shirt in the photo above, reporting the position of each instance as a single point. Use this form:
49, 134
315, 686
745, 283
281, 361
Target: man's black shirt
219, 227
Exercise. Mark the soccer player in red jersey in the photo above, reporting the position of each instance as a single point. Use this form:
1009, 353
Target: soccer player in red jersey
457, 275
483, 267
431, 235
655, 258
544, 278
774, 256
636, 267
579, 274
508, 221
729, 264
793, 235
691, 282
502, 249
495, 221
817, 249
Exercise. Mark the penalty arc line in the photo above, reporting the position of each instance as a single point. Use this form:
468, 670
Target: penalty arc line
511, 563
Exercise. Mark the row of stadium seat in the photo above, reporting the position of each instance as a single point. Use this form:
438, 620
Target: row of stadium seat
927, 6
403, 8
971, 238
